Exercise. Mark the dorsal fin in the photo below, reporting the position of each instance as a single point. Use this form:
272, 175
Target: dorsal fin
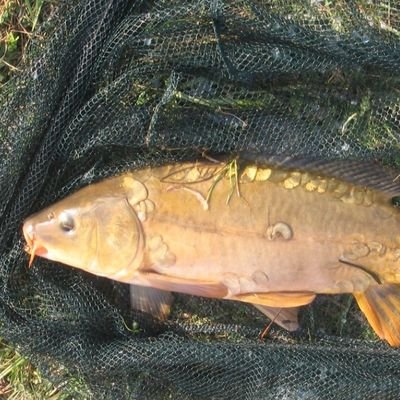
362, 173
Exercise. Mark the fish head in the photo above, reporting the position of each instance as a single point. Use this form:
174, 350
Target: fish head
55, 233
93, 230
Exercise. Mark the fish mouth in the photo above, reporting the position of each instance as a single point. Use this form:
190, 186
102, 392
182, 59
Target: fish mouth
32, 247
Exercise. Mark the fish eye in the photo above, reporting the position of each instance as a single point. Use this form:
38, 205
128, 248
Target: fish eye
67, 223
396, 201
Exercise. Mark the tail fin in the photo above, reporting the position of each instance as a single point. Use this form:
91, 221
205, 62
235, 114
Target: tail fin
381, 306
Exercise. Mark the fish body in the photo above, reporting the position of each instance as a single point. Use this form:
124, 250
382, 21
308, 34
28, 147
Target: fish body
263, 235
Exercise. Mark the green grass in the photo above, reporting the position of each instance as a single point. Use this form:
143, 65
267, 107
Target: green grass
18, 19
19, 380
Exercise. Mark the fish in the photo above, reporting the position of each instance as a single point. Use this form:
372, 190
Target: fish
271, 235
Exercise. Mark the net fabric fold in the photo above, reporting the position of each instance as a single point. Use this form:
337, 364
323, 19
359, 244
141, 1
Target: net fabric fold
114, 85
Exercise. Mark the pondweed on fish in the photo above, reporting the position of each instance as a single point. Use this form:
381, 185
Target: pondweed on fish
269, 236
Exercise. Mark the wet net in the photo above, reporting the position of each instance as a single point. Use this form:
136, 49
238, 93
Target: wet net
113, 85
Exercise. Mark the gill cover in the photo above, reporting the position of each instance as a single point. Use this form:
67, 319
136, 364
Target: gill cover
119, 239
119, 233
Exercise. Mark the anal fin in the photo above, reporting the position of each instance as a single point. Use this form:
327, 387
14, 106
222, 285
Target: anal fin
381, 306
150, 300
287, 318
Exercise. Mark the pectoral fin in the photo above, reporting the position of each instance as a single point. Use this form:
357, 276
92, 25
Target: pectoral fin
381, 306
277, 299
189, 286
152, 301
287, 318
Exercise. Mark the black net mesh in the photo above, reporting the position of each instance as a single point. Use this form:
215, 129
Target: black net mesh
116, 84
